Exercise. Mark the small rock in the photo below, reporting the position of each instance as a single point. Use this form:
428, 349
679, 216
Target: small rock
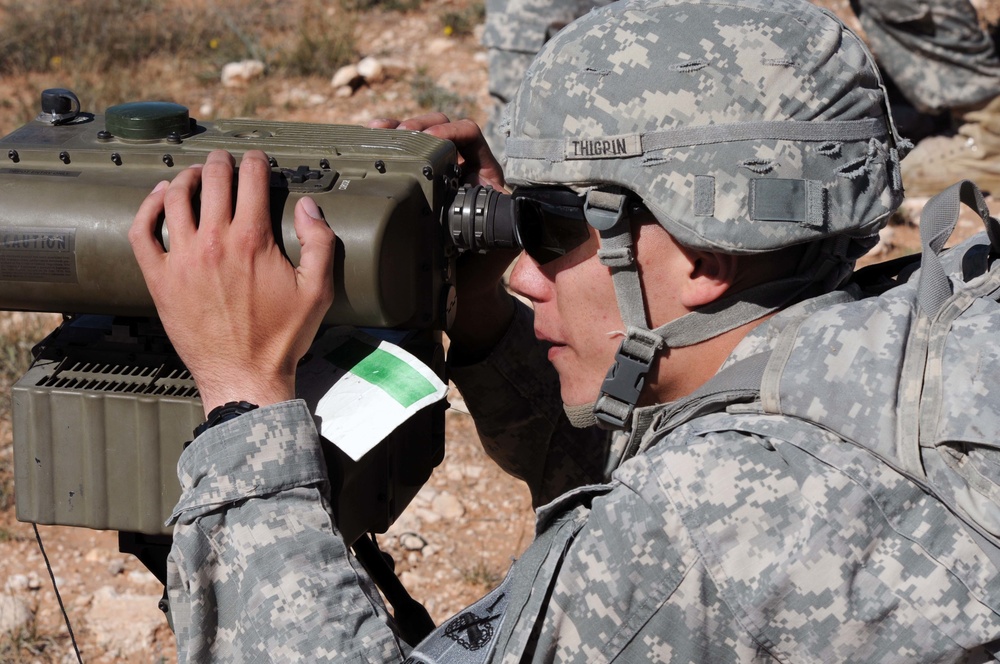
97, 555
448, 506
34, 583
439, 46
371, 70
426, 515
239, 74
14, 614
116, 567
17, 582
345, 76
206, 110
140, 577
343, 91
412, 541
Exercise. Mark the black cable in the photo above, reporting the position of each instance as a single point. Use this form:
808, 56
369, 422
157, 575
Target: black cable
62, 607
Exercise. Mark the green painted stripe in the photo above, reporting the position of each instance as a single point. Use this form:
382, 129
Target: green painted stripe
398, 379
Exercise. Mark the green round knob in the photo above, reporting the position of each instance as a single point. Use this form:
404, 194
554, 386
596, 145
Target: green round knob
147, 120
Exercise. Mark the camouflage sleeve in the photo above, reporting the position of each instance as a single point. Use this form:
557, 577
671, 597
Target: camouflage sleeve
513, 396
258, 571
934, 50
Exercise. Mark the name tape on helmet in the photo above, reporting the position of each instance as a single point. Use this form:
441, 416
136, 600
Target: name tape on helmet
629, 145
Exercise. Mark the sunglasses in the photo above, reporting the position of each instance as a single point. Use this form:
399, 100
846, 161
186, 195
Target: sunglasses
551, 221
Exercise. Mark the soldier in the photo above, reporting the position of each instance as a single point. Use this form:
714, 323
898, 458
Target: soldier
706, 173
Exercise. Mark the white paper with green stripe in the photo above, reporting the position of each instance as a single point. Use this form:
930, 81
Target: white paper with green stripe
362, 388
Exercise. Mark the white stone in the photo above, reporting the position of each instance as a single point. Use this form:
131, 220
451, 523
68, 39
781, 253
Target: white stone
206, 110
412, 541
343, 92
448, 506
346, 75
371, 70
14, 614
239, 74
439, 46
17, 582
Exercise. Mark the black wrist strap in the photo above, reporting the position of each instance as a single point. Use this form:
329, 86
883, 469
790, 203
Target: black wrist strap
224, 413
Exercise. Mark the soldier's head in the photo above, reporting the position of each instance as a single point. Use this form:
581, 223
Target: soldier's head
729, 156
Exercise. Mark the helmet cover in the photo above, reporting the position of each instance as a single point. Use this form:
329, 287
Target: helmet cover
744, 125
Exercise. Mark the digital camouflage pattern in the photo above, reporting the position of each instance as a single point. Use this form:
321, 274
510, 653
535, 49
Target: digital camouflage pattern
739, 537
749, 535
935, 51
515, 30
744, 126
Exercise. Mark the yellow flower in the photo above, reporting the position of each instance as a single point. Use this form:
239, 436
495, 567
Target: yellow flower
55, 61
213, 44
448, 30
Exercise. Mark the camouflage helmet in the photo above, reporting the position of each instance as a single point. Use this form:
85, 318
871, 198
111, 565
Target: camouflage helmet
744, 125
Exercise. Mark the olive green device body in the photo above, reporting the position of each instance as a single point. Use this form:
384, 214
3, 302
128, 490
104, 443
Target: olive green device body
103, 414
68, 196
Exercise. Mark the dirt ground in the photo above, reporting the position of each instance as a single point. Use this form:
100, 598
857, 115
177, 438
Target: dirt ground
457, 538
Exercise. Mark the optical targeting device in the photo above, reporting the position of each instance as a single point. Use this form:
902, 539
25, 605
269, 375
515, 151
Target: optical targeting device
105, 410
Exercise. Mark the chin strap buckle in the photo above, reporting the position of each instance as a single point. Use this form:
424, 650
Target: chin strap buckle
626, 378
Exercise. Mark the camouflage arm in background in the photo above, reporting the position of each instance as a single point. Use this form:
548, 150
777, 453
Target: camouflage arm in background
934, 51
514, 32
258, 571
513, 396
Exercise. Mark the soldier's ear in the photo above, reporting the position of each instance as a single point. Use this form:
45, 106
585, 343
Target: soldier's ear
709, 276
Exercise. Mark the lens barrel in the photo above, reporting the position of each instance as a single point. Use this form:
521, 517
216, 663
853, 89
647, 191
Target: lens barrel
482, 218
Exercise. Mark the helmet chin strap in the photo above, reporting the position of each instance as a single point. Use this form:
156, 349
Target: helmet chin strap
623, 385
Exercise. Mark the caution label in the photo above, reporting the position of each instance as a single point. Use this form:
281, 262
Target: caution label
38, 254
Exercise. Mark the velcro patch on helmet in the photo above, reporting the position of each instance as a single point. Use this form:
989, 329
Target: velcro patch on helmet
802, 201
606, 147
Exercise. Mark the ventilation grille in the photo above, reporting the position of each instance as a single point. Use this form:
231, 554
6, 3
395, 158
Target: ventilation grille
122, 379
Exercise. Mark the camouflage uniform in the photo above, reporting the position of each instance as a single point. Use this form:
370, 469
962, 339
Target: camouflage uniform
732, 538
935, 51
696, 534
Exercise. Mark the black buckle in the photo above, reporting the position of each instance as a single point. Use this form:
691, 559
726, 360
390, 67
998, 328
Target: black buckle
624, 383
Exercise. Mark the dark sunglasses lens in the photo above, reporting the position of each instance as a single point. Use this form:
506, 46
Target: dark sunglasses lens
547, 236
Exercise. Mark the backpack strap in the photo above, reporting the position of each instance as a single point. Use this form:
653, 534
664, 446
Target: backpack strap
937, 222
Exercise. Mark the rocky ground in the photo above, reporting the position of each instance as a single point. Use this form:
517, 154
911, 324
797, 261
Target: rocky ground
457, 538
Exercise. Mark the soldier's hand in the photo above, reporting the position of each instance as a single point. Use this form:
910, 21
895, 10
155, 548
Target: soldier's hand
484, 308
479, 165
239, 314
